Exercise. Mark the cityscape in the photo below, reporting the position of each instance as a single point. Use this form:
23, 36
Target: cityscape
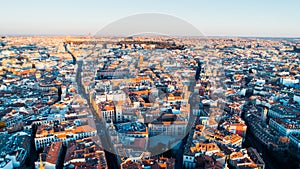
149, 100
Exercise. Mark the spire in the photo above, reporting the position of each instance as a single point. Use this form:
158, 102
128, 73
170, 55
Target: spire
41, 162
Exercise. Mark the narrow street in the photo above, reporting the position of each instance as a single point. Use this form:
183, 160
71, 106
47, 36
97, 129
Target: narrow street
111, 157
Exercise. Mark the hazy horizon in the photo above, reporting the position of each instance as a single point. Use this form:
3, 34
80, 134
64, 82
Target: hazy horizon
270, 18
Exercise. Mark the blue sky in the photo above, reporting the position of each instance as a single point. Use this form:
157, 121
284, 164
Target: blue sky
278, 18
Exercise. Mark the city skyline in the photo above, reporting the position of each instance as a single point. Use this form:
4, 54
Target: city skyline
212, 18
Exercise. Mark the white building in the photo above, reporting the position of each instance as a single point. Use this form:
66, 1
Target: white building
176, 128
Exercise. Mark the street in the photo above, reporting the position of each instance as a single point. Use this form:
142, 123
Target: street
111, 157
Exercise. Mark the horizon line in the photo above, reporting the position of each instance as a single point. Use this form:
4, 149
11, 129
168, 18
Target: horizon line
176, 36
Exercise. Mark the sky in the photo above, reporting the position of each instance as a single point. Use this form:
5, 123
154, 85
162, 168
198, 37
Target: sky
258, 18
